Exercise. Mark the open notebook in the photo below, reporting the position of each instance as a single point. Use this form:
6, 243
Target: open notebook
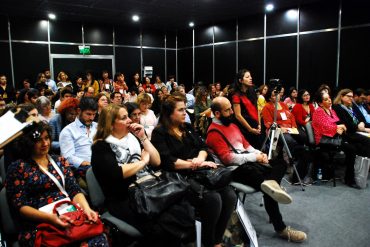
10, 128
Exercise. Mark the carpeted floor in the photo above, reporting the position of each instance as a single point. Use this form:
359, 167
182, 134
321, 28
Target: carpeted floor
331, 216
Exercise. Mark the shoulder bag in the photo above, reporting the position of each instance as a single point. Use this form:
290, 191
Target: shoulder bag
150, 195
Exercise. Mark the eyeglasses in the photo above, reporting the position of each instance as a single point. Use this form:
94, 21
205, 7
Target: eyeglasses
306, 94
349, 96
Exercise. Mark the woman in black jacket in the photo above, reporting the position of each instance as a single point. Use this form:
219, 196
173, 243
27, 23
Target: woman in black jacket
183, 151
354, 123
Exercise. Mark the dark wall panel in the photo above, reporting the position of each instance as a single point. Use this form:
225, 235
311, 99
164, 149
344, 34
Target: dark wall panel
153, 38
155, 58
64, 49
171, 39
185, 67
98, 34
250, 55
38, 60
101, 50
65, 31
185, 38
171, 64
225, 31
127, 36
354, 58
225, 63
78, 66
319, 15
5, 61
282, 22
317, 60
128, 61
203, 35
251, 27
3, 28
281, 60
204, 64
355, 12
29, 29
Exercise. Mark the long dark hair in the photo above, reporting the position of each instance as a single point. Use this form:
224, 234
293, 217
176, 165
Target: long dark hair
236, 87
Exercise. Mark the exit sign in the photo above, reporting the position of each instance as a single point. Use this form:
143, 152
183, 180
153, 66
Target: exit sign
84, 49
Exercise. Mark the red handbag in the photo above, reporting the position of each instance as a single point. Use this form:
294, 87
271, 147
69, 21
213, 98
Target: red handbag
80, 229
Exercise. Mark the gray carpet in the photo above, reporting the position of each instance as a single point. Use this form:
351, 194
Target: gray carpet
331, 216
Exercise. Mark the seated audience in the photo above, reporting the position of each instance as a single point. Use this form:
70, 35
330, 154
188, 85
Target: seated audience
67, 112
118, 159
65, 93
91, 82
6, 90
359, 105
134, 112
354, 123
30, 189
291, 100
103, 101
325, 122
287, 124
262, 178
77, 137
148, 118
116, 98
181, 150
43, 106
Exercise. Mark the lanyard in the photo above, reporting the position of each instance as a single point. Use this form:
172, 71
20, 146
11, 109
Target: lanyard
52, 177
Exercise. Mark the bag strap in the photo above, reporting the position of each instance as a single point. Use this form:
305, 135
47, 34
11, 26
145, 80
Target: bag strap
225, 139
52, 177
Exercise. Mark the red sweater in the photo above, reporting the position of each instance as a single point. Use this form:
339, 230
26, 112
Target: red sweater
323, 124
268, 116
300, 113
223, 151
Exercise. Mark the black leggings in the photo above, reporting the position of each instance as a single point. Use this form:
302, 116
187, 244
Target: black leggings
214, 210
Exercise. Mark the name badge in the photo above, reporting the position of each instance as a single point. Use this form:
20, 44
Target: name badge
283, 116
106, 86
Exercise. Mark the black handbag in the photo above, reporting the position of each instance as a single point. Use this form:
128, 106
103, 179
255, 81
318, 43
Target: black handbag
331, 142
216, 178
150, 195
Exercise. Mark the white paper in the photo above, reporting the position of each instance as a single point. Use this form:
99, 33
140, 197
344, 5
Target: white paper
9, 126
247, 225
283, 116
198, 230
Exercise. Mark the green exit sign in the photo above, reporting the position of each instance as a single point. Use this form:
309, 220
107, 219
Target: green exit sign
84, 49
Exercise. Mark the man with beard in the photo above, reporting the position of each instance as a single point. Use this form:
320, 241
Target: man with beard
76, 138
50, 82
228, 144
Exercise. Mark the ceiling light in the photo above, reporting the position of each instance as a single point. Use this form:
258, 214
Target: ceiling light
135, 18
191, 24
269, 7
52, 16
292, 14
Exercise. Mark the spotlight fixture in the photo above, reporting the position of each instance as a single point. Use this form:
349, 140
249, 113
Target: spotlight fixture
135, 18
269, 7
52, 16
191, 24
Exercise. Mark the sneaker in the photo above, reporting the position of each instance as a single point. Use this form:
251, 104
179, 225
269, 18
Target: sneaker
273, 189
293, 235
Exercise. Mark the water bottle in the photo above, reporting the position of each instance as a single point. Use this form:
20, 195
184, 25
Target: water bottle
319, 177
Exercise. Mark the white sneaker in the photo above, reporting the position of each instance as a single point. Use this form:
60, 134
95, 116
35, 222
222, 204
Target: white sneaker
273, 189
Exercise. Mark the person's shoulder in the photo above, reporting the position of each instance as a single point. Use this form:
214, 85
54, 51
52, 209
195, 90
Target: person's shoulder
56, 118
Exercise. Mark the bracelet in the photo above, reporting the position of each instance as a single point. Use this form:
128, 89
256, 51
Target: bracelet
142, 140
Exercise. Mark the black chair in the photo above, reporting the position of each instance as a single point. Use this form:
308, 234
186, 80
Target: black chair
97, 200
9, 228
330, 150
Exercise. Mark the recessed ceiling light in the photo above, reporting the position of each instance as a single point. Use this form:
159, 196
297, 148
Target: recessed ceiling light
269, 7
292, 14
191, 24
52, 16
135, 18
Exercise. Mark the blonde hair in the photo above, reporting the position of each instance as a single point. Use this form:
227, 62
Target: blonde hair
143, 98
60, 75
341, 93
106, 120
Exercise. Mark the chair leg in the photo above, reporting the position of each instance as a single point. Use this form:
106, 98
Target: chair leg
331, 160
